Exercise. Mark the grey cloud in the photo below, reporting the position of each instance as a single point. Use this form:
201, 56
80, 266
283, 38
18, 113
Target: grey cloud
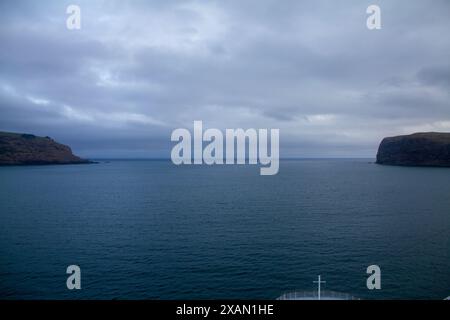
139, 69
435, 76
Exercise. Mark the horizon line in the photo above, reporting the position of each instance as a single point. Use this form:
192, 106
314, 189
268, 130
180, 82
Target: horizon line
284, 158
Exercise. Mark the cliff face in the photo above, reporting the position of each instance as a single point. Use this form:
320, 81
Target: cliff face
23, 149
418, 149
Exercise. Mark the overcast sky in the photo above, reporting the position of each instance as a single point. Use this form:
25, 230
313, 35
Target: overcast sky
139, 69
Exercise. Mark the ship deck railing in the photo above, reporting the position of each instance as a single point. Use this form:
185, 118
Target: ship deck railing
313, 295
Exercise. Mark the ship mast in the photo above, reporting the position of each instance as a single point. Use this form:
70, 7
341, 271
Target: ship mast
319, 282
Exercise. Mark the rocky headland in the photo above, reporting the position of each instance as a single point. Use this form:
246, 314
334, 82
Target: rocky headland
28, 149
418, 149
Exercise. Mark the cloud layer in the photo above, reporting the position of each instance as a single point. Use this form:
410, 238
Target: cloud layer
139, 69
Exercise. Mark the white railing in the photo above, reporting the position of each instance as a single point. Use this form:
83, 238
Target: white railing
312, 295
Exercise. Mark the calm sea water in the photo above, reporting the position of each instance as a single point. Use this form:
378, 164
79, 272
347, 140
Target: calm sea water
152, 230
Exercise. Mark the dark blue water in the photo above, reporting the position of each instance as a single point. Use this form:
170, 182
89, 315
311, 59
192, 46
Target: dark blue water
149, 229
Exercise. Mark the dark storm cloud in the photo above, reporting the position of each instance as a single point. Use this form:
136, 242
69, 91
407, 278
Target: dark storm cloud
138, 69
